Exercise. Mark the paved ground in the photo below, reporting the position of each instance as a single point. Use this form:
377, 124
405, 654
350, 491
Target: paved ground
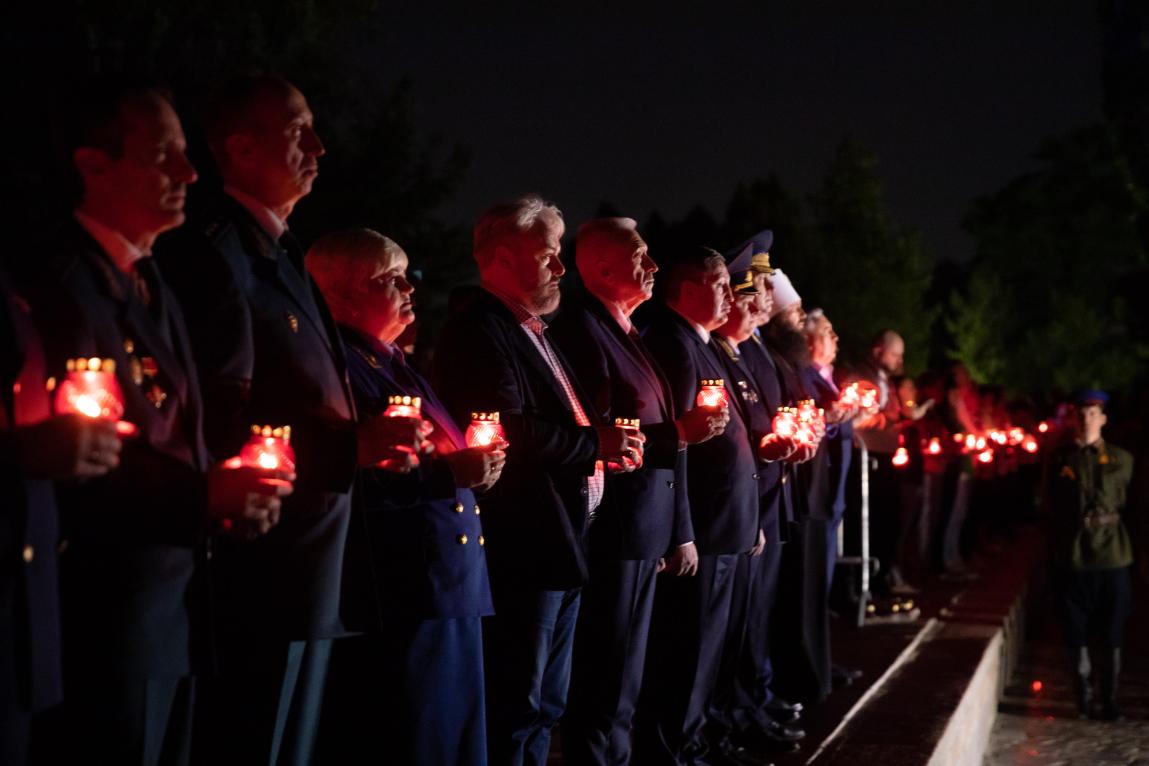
1041, 728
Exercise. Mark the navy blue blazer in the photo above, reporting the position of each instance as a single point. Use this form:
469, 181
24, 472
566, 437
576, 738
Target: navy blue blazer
828, 469
30, 672
269, 354
423, 534
535, 517
777, 500
130, 537
722, 473
644, 514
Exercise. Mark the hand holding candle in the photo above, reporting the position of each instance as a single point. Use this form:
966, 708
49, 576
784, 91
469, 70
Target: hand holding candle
244, 491
485, 430
629, 461
392, 443
621, 445
702, 424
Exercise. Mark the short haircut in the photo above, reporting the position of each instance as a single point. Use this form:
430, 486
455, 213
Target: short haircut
596, 233
882, 339
509, 219
343, 259
93, 116
229, 109
812, 317
687, 264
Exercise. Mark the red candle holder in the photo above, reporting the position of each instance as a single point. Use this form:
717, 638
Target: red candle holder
901, 458
785, 423
712, 394
933, 447
484, 430
90, 388
985, 456
630, 425
1029, 445
269, 449
404, 407
851, 396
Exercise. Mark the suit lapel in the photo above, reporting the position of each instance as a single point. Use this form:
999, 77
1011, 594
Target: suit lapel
637, 355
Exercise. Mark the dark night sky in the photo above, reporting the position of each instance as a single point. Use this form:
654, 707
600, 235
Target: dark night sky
656, 112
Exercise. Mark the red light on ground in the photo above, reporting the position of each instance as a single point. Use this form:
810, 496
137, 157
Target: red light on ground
1037, 686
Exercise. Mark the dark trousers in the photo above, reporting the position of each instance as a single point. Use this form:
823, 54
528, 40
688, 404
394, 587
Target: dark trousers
609, 651
720, 722
410, 695
1096, 601
14, 732
264, 712
755, 671
527, 650
801, 638
687, 634
120, 720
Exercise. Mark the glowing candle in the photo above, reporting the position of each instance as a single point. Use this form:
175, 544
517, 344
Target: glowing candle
711, 394
90, 388
630, 425
268, 448
934, 447
403, 407
850, 395
785, 423
985, 456
1016, 436
1029, 445
484, 430
1042, 427
901, 458
959, 438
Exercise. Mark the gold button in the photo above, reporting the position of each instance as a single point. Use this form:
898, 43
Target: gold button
482, 540
462, 539
458, 507
476, 510
29, 554
783, 479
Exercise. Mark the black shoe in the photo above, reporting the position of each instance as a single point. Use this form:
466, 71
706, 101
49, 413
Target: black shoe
842, 676
782, 711
1109, 682
728, 753
760, 740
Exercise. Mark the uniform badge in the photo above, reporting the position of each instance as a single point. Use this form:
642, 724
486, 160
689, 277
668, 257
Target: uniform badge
293, 322
748, 394
144, 372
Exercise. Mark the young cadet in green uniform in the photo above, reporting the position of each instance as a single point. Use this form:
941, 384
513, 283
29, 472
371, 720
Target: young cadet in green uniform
1085, 497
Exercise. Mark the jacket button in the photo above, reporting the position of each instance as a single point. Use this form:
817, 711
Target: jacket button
461, 539
476, 509
482, 540
458, 507
29, 554
755, 476
672, 484
584, 491
784, 479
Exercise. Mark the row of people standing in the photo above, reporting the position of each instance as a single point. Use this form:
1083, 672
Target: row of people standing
207, 611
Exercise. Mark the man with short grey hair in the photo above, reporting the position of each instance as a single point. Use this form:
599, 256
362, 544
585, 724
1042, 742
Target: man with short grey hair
495, 355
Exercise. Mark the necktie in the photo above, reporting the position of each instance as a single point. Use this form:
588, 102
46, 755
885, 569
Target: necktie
595, 483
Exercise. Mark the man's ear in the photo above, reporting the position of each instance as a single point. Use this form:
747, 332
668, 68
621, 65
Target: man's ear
90, 162
238, 148
503, 256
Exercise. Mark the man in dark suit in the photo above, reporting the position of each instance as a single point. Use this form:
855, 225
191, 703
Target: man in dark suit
131, 538
268, 352
691, 614
643, 524
413, 686
741, 719
494, 355
35, 448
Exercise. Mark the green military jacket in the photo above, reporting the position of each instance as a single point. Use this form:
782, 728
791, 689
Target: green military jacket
1085, 497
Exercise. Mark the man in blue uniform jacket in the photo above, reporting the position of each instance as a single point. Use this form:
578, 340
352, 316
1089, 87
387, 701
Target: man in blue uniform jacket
131, 538
644, 522
420, 669
268, 353
35, 448
691, 614
495, 355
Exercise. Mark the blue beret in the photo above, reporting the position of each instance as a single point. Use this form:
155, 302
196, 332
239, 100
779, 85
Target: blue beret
1092, 397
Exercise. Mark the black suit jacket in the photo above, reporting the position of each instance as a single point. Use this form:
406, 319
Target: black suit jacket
130, 537
644, 513
722, 475
535, 516
30, 673
269, 354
